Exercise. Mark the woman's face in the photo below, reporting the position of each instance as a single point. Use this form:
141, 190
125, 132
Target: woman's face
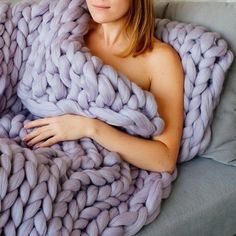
112, 9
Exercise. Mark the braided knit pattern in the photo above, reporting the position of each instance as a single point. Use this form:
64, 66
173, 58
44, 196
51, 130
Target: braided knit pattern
79, 187
206, 59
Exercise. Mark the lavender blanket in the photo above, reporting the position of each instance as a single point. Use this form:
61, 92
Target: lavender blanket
78, 187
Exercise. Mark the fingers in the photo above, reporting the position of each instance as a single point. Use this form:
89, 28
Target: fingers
38, 122
49, 142
35, 133
31, 134
39, 138
41, 133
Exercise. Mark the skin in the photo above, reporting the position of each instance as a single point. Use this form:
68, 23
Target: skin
159, 71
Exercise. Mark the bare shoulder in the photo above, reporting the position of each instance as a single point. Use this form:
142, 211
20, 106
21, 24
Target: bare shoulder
167, 86
163, 57
162, 47
165, 68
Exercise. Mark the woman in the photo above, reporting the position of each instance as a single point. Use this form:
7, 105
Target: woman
121, 33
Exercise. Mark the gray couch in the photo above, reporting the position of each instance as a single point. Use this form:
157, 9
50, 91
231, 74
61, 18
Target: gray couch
203, 197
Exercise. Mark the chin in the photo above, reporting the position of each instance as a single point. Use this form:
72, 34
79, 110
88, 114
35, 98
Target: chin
101, 19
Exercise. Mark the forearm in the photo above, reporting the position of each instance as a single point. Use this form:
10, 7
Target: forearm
143, 153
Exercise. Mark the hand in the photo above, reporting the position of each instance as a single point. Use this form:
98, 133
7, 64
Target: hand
56, 129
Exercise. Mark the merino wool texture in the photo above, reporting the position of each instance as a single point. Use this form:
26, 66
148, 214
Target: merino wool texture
79, 187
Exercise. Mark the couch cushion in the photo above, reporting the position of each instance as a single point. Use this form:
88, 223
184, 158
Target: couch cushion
203, 196
219, 17
160, 9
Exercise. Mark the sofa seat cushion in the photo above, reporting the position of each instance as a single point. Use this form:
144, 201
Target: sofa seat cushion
204, 194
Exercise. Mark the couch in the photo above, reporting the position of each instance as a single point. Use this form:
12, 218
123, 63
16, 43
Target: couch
203, 197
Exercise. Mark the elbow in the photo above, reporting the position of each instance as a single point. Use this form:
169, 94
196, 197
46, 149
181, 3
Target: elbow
169, 165
171, 169
170, 162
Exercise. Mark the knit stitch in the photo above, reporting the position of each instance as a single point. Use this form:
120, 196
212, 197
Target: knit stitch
79, 187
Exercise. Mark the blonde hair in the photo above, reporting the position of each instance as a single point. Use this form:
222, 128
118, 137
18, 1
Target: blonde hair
140, 23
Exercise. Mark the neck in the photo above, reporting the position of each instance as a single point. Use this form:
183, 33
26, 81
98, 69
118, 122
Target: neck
113, 33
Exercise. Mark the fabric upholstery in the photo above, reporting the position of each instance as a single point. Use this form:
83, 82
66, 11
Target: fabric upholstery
203, 198
218, 16
202, 202
203, 206
54, 74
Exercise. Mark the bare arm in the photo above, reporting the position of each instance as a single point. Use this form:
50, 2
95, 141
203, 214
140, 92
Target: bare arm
167, 85
143, 153
160, 153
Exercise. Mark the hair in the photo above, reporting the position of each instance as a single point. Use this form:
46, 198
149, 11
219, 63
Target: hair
141, 24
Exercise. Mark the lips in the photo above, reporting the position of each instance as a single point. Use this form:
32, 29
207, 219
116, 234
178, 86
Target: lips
102, 7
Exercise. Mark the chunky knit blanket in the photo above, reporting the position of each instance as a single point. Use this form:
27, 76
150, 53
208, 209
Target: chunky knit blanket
79, 187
